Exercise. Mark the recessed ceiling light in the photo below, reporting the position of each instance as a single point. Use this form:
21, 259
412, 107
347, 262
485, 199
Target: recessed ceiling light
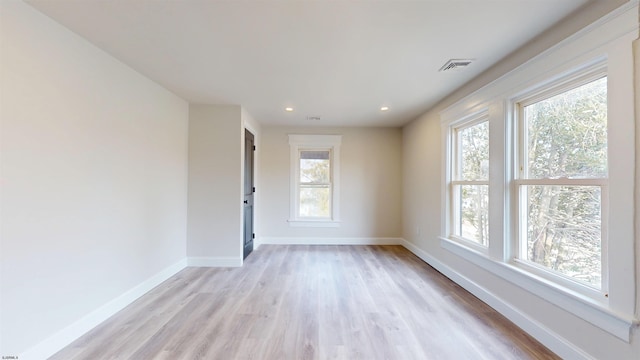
289, 109
384, 108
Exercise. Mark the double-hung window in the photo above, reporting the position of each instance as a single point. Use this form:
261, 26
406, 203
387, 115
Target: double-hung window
315, 180
469, 186
538, 178
561, 178
555, 223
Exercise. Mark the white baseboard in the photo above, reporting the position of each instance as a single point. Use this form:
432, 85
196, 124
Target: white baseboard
550, 339
328, 241
214, 261
66, 336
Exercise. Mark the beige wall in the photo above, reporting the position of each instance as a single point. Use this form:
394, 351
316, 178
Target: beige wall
370, 183
93, 178
215, 185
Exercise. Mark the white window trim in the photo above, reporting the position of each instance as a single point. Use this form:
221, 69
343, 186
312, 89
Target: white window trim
314, 142
615, 313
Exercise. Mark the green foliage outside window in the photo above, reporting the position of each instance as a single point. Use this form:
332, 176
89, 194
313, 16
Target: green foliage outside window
566, 137
315, 185
474, 207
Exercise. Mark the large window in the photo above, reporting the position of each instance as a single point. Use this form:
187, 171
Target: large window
561, 184
562, 180
470, 180
545, 210
314, 180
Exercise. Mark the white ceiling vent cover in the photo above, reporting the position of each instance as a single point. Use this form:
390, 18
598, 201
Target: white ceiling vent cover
313, 118
456, 64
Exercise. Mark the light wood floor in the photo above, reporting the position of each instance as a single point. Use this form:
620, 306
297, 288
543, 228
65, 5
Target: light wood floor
309, 302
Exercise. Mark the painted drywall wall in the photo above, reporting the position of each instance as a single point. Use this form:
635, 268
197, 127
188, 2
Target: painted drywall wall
93, 178
370, 184
216, 135
423, 211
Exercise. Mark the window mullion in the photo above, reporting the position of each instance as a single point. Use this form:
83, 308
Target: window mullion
470, 182
563, 181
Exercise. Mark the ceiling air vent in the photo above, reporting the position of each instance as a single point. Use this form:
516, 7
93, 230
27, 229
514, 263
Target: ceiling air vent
313, 118
456, 64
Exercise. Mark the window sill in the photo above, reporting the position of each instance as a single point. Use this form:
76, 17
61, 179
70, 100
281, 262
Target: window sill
591, 310
314, 223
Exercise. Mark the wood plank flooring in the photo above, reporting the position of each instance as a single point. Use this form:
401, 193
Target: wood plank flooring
309, 302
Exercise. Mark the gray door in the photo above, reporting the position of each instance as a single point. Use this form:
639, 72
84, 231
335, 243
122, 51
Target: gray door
249, 190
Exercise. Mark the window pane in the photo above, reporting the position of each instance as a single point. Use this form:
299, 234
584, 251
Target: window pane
564, 230
567, 134
315, 167
314, 201
315, 154
474, 148
474, 213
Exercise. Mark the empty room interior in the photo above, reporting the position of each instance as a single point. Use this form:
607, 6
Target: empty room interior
287, 179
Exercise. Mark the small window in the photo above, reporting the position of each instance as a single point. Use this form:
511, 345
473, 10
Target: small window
314, 180
562, 180
470, 181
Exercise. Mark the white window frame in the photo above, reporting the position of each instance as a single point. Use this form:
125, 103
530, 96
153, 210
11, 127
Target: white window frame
612, 311
453, 177
581, 76
298, 143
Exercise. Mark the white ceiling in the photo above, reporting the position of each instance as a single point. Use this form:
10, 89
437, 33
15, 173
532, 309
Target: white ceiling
340, 60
